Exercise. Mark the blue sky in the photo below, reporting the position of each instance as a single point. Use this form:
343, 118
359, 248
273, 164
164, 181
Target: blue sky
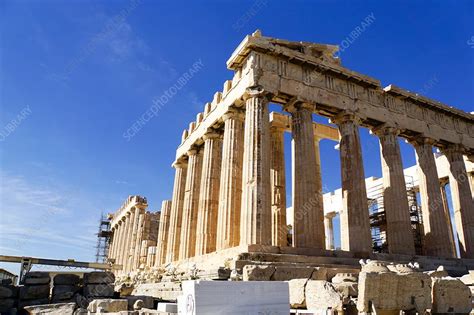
73, 80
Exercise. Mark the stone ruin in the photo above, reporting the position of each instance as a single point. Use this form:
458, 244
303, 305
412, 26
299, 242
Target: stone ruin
227, 216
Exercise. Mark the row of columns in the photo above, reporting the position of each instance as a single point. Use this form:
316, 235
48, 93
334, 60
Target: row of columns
231, 191
133, 235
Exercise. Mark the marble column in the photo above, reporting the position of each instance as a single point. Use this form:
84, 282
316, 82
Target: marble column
116, 241
118, 256
308, 220
163, 232
278, 183
112, 244
176, 214
256, 212
471, 176
209, 194
190, 205
436, 228
123, 244
129, 246
138, 242
444, 196
329, 230
395, 199
230, 193
318, 175
134, 222
463, 204
355, 224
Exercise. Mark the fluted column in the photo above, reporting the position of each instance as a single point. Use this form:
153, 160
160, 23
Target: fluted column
308, 221
355, 225
471, 176
122, 244
444, 197
138, 241
329, 230
176, 215
116, 240
256, 212
119, 244
209, 194
190, 205
277, 180
436, 232
132, 238
163, 232
462, 200
230, 193
395, 198
112, 245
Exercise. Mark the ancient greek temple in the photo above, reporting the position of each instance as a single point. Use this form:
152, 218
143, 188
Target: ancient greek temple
229, 195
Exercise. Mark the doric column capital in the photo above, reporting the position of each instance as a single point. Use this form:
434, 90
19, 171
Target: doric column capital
234, 113
453, 148
347, 116
421, 140
180, 163
212, 134
296, 104
385, 130
193, 151
256, 91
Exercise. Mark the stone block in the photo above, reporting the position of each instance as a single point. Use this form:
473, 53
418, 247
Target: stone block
297, 292
321, 295
37, 281
468, 279
257, 272
393, 291
37, 277
319, 273
6, 305
52, 309
6, 292
235, 297
414, 291
332, 272
24, 303
345, 277
98, 277
99, 290
66, 279
167, 307
108, 305
36, 274
288, 273
451, 295
31, 292
148, 301
64, 292
347, 289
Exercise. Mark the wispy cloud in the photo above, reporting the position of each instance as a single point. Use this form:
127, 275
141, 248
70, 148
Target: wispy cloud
41, 218
121, 182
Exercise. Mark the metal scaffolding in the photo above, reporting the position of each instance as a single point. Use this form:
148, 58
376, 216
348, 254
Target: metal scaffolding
378, 220
103, 239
